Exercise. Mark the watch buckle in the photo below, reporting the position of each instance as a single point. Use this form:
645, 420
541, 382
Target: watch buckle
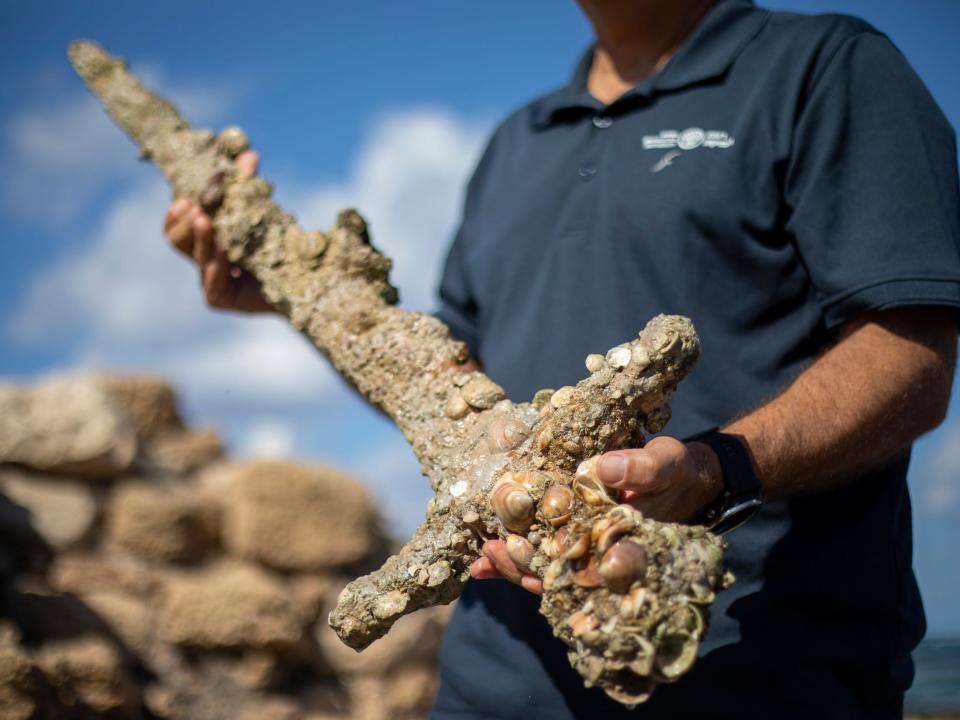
735, 515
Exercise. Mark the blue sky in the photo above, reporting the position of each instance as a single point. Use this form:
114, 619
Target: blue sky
378, 104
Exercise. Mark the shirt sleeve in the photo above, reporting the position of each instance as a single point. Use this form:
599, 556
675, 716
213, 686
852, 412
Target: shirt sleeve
458, 307
458, 302
872, 186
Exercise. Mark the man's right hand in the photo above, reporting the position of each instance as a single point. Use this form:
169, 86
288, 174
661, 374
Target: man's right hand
190, 230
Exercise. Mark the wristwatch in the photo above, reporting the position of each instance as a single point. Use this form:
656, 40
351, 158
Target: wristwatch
740, 499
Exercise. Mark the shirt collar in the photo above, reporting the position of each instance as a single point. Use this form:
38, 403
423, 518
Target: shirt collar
706, 54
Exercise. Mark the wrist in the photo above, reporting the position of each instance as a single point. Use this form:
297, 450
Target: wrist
739, 499
709, 472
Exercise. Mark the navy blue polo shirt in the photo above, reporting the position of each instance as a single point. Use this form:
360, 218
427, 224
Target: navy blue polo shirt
780, 176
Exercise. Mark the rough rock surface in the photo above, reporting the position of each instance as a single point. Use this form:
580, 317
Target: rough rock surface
296, 518
229, 606
182, 451
89, 670
161, 522
62, 510
82, 573
120, 600
128, 617
66, 425
20, 688
148, 402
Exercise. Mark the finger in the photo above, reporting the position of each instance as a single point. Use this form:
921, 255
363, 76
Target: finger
627, 469
649, 469
204, 248
180, 236
248, 162
216, 282
496, 551
483, 569
532, 584
176, 212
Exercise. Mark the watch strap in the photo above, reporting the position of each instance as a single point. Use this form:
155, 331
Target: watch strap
740, 499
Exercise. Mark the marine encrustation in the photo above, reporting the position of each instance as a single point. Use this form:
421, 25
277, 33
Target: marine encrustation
627, 594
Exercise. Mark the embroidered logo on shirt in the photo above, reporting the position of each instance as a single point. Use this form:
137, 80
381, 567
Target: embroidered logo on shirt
666, 160
689, 139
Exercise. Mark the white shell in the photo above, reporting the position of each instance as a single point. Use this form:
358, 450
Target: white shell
233, 141
482, 393
457, 407
595, 363
562, 396
505, 433
619, 357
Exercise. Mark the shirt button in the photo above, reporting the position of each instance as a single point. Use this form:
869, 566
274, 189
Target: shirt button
602, 121
586, 172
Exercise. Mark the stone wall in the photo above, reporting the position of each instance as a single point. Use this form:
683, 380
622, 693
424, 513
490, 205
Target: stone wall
145, 575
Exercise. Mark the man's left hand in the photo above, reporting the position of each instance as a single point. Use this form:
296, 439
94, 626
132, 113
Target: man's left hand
666, 480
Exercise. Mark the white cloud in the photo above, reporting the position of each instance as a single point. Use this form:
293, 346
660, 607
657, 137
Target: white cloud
267, 438
408, 181
129, 301
125, 299
64, 154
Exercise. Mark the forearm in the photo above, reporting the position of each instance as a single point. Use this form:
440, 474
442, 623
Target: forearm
885, 382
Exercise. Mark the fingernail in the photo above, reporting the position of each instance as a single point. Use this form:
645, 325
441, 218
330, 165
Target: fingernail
612, 468
179, 206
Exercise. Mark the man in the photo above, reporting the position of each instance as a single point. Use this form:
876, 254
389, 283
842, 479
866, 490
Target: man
787, 182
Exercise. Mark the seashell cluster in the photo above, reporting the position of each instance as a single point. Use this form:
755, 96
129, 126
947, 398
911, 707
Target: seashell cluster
627, 594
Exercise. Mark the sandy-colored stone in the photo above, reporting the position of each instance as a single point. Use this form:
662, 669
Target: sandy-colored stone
414, 639
230, 639
229, 606
62, 511
256, 669
311, 593
183, 451
160, 700
409, 691
129, 618
17, 681
84, 573
148, 401
163, 523
91, 669
65, 425
295, 517
270, 708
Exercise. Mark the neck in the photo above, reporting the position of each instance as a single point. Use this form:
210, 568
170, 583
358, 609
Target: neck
635, 39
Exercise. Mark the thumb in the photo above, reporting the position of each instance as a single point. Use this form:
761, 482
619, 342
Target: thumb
634, 470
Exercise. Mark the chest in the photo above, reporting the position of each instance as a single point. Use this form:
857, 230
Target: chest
662, 192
